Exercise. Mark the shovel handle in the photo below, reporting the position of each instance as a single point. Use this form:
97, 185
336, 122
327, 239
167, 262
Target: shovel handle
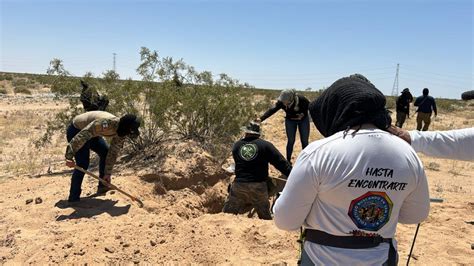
139, 202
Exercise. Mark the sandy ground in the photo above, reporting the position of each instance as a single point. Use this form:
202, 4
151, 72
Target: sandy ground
180, 222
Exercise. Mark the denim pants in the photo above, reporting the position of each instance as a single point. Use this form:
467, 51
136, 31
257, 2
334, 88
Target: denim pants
99, 146
290, 127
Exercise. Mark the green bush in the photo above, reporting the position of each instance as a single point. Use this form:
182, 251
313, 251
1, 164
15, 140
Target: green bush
447, 105
173, 100
3, 90
6, 76
22, 89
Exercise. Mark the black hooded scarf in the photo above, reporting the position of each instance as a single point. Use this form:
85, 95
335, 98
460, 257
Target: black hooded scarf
348, 102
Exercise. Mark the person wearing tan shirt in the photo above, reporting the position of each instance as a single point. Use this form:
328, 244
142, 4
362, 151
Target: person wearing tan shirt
86, 133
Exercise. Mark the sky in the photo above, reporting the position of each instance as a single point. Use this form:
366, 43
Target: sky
269, 44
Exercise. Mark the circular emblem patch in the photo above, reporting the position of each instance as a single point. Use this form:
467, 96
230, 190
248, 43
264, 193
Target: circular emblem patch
248, 151
371, 211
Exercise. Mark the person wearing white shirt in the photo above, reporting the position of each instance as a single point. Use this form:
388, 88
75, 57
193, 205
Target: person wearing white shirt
457, 144
351, 189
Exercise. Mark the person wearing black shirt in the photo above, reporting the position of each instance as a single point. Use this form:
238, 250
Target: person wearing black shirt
249, 189
426, 105
296, 108
91, 100
403, 107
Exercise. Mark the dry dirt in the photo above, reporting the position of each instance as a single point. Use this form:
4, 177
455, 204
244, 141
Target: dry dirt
183, 189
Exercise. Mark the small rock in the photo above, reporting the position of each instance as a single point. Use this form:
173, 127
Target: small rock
162, 241
136, 251
38, 200
110, 250
80, 253
472, 246
152, 243
118, 237
112, 192
69, 245
28, 201
126, 245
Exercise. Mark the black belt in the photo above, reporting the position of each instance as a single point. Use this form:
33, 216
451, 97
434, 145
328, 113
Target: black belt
351, 242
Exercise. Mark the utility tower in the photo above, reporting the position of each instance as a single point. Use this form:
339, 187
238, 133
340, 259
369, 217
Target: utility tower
115, 70
395, 83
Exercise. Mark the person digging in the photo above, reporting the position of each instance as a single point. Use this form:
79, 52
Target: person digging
250, 187
86, 133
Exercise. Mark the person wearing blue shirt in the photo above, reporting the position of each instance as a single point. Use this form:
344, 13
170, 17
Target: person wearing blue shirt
426, 106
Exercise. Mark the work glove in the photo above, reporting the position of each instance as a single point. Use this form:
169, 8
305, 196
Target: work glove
70, 163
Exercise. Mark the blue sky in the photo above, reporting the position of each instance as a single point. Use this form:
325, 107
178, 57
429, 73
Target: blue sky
269, 44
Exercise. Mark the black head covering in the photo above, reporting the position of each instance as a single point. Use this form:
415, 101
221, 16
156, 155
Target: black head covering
426, 91
128, 126
348, 102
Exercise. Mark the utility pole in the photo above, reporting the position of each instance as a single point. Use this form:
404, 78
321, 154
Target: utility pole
115, 70
395, 83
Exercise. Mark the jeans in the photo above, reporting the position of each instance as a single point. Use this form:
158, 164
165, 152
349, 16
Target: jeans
99, 146
290, 127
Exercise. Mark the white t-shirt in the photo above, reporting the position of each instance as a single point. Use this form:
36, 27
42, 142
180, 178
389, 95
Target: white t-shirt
367, 182
451, 144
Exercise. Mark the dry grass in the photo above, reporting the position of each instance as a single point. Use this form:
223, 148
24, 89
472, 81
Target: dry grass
18, 128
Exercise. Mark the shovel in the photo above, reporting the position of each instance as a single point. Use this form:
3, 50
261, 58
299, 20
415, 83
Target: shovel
111, 186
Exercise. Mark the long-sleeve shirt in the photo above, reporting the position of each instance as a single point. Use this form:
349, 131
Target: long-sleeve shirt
298, 110
252, 156
451, 144
403, 103
426, 104
349, 185
94, 124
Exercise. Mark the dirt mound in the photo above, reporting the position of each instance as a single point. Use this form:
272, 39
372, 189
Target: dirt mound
183, 179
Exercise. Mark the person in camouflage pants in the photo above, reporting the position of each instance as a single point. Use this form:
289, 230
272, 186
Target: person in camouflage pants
86, 133
250, 187
245, 196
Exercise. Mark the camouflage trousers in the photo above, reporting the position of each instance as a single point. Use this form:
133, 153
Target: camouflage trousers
245, 196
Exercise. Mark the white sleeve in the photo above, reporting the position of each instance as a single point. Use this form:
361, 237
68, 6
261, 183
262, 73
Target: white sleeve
416, 206
299, 194
451, 144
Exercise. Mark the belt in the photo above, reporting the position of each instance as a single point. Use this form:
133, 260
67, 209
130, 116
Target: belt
351, 242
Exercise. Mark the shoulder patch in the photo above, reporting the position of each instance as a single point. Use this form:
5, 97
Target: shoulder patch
105, 124
371, 211
248, 151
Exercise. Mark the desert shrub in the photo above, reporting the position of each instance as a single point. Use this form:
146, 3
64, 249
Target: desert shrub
3, 90
22, 89
6, 76
17, 82
390, 102
447, 105
172, 99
